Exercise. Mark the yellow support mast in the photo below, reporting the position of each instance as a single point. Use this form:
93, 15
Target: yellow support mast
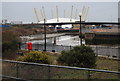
52, 13
42, 14
86, 13
71, 13
57, 13
36, 15
76, 14
64, 13
83, 13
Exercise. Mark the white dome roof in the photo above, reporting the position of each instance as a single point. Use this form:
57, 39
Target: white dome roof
60, 20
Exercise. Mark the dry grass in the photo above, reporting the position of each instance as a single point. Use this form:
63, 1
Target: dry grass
107, 64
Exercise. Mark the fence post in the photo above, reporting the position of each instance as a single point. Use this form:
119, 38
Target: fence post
96, 50
17, 70
118, 62
70, 47
89, 75
48, 73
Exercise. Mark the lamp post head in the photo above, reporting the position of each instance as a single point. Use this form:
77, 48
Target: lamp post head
80, 14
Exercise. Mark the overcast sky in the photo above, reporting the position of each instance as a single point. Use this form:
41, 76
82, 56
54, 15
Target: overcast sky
24, 11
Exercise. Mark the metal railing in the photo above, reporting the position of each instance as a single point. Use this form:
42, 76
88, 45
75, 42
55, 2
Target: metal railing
110, 51
27, 71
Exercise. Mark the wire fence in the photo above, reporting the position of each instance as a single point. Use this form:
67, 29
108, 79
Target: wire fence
25, 71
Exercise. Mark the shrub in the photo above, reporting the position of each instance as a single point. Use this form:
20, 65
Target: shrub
9, 44
36, 57
80, 56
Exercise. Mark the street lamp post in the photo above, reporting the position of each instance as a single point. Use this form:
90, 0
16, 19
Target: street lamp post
80, 30
44, 36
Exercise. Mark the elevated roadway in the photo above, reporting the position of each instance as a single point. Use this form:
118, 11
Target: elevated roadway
63, 23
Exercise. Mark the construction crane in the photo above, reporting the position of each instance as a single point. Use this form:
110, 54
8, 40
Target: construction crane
71, 14
57, 13
36, 15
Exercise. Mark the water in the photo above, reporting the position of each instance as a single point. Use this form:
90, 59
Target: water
58, 44
66, 40
69, 41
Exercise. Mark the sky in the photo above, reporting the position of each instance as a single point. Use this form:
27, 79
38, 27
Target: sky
24, 11
60, 0
119, 10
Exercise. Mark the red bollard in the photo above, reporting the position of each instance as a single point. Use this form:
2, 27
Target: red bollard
29, 45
